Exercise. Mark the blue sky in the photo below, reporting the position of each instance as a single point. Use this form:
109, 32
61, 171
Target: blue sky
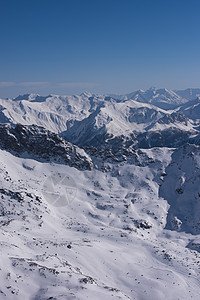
112, 46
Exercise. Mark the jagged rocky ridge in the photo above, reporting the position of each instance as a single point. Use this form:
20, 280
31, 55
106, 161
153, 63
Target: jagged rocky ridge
42, 144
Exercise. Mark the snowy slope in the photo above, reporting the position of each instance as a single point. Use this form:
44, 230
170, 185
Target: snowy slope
191, 109
108, 242
113, 119
129, 119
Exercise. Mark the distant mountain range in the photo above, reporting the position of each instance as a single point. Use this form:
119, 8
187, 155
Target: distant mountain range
153, 117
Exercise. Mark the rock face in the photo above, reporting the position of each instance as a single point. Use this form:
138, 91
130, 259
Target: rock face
181, 189
42, 144
171, 137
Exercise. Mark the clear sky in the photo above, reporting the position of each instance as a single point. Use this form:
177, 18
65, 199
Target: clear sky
102, 46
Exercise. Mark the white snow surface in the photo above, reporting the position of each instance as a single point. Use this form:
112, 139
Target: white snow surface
109, 242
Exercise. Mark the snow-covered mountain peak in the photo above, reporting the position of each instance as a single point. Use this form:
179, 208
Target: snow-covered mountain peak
31, 98
28, 97
163, 98
86, 94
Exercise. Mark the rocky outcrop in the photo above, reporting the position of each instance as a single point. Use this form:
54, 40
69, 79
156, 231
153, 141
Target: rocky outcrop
42, 144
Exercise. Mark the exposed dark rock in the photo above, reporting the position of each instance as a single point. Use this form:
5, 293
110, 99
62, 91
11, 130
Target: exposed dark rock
42, 144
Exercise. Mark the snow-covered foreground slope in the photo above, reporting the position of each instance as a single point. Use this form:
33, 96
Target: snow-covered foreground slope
107, 240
